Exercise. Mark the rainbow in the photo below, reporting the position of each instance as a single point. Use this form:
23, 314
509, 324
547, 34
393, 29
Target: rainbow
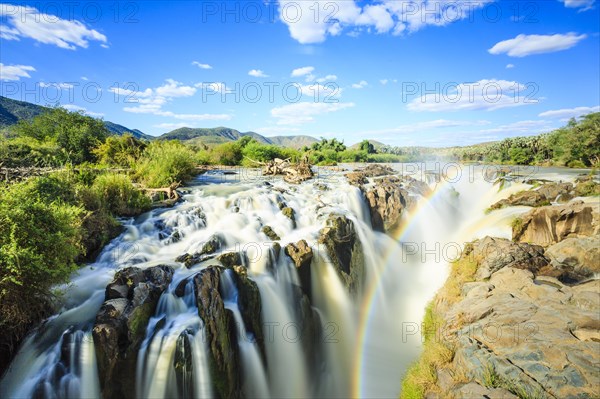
372, 289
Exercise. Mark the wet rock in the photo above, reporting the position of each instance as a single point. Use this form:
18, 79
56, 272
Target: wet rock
120, 327
387, 201
302, 254
290, 214
376, 170
541, 196
184, 366
578, 258
219, 327
250, 305
524, 198
189, 260
345, 250
230, 259
587, 187
551, 224
212, 245
357, 178
556, 192
493, 254
321, 186
268, 231
417, 186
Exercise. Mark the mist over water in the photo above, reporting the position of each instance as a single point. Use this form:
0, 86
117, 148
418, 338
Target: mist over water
368, 339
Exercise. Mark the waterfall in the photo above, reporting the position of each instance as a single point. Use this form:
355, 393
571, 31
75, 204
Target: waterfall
174, 335
255, 379
365, 340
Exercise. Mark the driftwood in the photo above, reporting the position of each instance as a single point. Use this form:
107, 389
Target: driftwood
292, 173
171, 192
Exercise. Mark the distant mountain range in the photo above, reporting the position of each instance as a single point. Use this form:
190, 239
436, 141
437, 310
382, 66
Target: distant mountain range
218, 135
12, 111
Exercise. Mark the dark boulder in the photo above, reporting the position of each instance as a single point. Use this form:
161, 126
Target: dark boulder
120, 327
219, 327
387, 201
345, 251
302, 254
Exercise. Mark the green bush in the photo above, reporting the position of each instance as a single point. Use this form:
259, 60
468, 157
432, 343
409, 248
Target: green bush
39, 241
76, 134
121, 151
27, 152
165, 162
118, 195
266, 152
229, 154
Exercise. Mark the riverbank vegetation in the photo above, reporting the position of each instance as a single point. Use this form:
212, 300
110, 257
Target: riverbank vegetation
575, 145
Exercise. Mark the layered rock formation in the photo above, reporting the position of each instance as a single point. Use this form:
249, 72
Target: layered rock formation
507, 325
120, 326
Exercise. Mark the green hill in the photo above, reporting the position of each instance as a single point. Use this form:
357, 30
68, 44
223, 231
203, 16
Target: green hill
218, 135
12, 111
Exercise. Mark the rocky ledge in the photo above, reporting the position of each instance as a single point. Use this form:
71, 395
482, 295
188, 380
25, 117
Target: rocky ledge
387, 194
129, 302
518, 319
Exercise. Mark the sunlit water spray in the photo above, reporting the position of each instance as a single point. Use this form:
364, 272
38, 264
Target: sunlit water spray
367, 341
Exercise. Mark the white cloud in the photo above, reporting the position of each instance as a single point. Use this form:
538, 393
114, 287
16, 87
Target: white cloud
84, 78
319, 91
384, 81
49, 29
57, 85
276, 130
201, 65
214, 87
304, 112
567, 113
360, 85
528, 127
583, 5
77, 108
312, 22
425, 125
15, 72
172, 88
307, 70
171, 126
485, 94
510, 66
328, 78
151, 101
257, 73
524, 45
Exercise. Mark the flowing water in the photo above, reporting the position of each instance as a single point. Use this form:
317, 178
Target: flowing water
368, 340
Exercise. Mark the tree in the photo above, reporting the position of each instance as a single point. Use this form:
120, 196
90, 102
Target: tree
366, 146
75, 133
120, 151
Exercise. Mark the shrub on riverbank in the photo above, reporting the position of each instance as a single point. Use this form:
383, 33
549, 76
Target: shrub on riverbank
165, 162
39, 241
47, 225
576, 145
117, 194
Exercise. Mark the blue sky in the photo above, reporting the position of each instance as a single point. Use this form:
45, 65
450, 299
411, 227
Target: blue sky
427, 72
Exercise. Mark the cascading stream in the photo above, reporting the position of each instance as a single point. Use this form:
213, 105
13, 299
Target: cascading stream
367, 340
